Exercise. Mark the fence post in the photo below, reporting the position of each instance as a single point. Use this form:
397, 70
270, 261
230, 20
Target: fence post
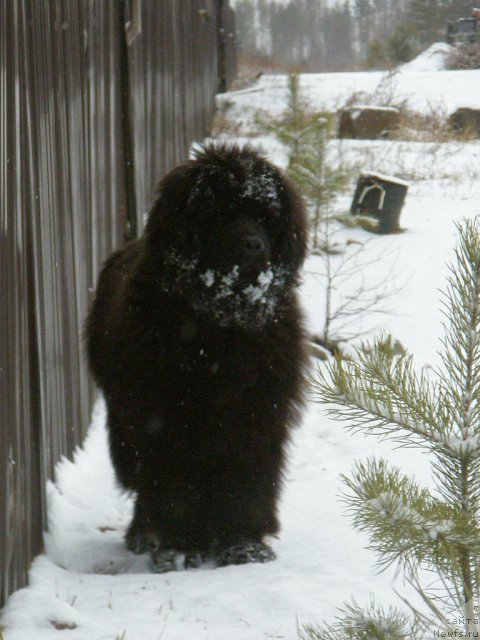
221, 47
126, 120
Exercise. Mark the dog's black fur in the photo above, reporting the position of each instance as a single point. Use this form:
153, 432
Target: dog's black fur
195, 338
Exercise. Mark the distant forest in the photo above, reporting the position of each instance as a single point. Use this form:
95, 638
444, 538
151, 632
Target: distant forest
313, 35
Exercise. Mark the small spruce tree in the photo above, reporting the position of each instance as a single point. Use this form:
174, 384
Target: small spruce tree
381, 394
400, 45
318, 180
291, 128
305, 133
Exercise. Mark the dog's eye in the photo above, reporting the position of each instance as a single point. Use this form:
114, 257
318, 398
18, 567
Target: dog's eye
269, 219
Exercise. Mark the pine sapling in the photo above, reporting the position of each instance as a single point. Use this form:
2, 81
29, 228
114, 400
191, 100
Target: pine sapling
382, 394
290, 128
319, 180
305, 133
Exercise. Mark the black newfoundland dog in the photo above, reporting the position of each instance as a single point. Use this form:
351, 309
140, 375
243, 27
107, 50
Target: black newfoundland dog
196, 340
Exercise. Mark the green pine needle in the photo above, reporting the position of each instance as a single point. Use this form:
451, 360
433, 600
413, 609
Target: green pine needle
357, 623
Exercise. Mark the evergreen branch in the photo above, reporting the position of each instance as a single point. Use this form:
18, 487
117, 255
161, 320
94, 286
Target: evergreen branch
458, 618
357, 623
377, 392
424, 622
447, 471
461, 352
405, 524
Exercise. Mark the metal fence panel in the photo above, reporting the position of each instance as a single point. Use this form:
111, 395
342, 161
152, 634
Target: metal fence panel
91, 116
173, 80
62, 178
61, 181
20, 503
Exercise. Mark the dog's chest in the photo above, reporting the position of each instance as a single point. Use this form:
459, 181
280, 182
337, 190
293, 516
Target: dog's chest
215, 362
210, 362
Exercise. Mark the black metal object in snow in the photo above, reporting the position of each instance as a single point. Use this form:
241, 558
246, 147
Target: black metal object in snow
382, 197
97, 101
464, 30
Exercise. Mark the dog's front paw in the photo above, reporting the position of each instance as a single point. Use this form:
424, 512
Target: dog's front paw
194, 560
163, 560
245, 552
140, 541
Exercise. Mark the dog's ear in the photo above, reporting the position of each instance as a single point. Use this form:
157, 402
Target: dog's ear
167, 224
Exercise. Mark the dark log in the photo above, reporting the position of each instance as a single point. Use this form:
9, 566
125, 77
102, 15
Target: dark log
465, 121
368, 122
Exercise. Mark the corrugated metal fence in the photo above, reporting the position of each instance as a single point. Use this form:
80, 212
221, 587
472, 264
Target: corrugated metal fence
92, 114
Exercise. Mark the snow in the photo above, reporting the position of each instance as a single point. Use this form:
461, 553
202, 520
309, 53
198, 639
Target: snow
460, 446
432, 59
384, 178
218, 292
358, 108
423, 90
87, 586
208, 277
261, 187
257, 293
229, 304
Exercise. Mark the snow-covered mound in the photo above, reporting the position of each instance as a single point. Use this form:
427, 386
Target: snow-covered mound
432, 59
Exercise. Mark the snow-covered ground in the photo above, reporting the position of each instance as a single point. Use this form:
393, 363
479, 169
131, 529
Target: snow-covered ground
88, 587
417, 84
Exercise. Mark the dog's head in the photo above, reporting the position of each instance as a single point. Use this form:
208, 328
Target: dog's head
229, 230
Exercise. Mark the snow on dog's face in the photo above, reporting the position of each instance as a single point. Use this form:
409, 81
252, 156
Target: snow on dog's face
229, 231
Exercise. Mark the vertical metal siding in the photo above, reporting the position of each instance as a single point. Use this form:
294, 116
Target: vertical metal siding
64, 187
61, 186
20, 502
173, 81
57, 87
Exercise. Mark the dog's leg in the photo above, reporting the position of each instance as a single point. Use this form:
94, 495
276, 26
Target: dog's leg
140, 536
244, 516
170, 519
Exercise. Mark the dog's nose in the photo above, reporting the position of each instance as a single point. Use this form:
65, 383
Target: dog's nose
253, 246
